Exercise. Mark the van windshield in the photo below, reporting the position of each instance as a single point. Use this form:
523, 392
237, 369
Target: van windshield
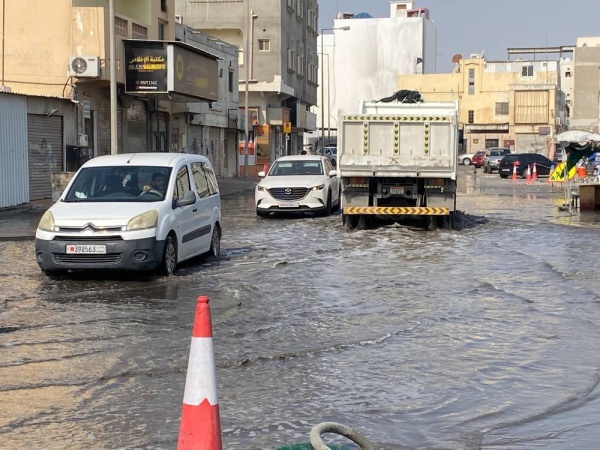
119, 184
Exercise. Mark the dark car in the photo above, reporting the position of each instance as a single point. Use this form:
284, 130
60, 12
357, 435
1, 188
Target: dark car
492, 158
523, 160
477, 159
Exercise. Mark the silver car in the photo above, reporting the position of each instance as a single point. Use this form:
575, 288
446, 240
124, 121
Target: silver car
492, 158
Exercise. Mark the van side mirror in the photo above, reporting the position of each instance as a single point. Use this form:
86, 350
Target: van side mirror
188, 199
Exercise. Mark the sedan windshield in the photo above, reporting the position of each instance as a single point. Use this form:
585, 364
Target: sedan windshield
119, 184
284, 168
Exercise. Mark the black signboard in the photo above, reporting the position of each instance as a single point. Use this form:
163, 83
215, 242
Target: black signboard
145, 67
195, 75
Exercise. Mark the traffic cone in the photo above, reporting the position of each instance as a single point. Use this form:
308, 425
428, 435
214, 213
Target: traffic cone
528, 180
534, 175
200, 426
514, 175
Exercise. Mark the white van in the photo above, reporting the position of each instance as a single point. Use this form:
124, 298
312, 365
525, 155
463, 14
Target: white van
138, 211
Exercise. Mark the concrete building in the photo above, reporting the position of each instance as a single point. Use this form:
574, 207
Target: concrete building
57, 55
278, 67
585, 108
513, 104
362, 56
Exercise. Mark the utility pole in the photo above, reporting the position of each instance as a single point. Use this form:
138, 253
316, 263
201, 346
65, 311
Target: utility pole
114, 132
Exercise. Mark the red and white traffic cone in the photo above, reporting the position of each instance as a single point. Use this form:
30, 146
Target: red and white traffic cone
200, 427
534, 174
514, 175
528, 180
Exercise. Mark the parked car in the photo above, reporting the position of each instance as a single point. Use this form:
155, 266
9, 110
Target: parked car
298, 184
330, 152
477, 159
466, 158
492, 157
523, 160
139, 211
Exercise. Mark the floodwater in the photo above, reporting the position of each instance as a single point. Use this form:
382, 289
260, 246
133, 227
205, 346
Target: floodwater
482, 337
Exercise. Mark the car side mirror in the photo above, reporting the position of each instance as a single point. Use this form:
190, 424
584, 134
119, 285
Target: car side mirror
262, 174
188, 199
333, 173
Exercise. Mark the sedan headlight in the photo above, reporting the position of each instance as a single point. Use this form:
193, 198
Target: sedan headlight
318, 188
260, 188
47, 222
149, 219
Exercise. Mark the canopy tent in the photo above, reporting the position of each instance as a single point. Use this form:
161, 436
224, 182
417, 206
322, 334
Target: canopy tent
578, 144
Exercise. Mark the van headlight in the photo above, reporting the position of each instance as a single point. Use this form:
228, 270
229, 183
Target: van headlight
47, 222
149, 219
318, 188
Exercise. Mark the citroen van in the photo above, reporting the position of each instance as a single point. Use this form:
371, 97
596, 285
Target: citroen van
138, 211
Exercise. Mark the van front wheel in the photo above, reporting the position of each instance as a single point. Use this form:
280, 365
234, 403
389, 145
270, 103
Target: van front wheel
215, 243
168, 264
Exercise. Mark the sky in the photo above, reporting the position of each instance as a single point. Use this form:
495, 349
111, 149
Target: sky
489, 26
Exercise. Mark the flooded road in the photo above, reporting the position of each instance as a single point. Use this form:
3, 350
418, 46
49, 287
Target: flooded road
483, 337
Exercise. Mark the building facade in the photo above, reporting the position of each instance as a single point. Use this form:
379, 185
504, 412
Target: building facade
59, 59
513, 104
278, 68
585, 108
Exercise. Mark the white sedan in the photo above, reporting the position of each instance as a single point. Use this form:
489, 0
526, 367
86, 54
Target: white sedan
466, 159
298, 184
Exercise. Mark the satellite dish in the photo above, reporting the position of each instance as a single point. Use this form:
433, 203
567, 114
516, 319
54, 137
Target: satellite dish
456, 58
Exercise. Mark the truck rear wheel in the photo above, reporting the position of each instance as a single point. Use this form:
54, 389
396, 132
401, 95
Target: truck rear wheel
350, 222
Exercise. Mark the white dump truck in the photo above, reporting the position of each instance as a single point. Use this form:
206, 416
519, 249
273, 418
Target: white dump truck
399, 161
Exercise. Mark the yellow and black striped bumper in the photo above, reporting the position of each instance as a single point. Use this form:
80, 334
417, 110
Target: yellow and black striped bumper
397, 211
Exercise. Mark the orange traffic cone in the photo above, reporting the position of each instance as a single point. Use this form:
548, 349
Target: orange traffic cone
528, 180
534, 175
514, 175
200, 427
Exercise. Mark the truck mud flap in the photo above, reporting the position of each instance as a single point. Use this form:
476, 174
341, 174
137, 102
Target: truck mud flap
397, 211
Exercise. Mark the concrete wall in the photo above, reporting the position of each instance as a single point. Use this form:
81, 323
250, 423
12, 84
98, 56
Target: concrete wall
585, 114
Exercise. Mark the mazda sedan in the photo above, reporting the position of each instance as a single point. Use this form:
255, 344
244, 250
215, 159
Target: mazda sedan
298, 184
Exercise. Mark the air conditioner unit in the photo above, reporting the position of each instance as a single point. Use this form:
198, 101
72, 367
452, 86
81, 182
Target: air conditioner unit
83, 140
84, 66
215, 106
178, 18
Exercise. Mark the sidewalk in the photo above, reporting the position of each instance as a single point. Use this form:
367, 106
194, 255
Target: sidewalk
19, 223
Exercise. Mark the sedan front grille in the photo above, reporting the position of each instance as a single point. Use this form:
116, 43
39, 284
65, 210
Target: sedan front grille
290, 194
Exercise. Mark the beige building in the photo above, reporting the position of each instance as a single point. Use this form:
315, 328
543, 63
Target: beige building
514, 104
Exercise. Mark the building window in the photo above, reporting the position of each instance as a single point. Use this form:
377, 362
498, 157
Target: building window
291, 5
264, 45
138, 31
471, 116
471, 81
291, 59
162, 30
121, 27
568, 74
300, 10
230, 81
163, 5
301, 66
501, 108
527, 71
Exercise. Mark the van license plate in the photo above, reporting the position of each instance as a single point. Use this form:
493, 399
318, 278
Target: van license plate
397, 190
289, 205
95, 249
